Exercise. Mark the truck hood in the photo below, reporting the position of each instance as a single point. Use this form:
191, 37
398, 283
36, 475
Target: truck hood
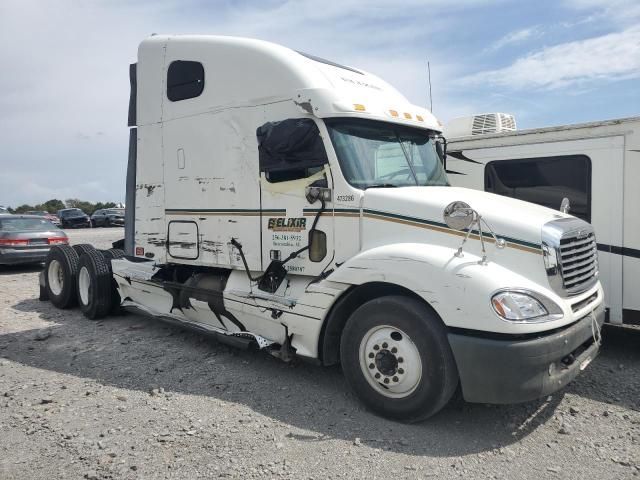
509, 218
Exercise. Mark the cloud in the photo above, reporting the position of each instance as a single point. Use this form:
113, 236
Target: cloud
620, 12
515, 37
54, 100
65, 67
611, 57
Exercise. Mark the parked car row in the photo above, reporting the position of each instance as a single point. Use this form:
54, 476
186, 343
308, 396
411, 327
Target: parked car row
76, 218
49, 216
109, 217
73, 218
27, 238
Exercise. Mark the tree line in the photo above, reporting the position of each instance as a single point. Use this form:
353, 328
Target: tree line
53, 205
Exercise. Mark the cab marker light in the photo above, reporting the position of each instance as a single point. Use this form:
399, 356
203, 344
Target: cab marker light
407, 116
393, 113
358, 107
419, 118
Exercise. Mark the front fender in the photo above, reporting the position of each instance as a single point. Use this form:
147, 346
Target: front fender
459, 289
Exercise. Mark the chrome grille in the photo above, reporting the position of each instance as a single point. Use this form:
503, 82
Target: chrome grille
578, 260
570, 255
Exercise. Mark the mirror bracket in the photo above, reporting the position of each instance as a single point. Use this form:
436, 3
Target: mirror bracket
460, 216
313, 194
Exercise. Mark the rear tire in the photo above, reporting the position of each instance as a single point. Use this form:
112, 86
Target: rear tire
396, 357
43, 296
113, 254
60, 269
83, 248
94, 285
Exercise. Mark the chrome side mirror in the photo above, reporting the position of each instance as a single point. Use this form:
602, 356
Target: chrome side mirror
459, 215
565, 205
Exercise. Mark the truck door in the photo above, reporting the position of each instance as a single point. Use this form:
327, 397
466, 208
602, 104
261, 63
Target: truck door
296, 204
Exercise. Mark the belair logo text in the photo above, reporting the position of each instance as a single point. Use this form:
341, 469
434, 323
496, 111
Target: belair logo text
287, 224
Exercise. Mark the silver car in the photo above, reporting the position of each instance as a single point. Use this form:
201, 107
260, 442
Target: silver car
27, 239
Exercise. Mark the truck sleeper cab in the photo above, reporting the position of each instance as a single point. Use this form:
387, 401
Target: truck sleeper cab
283, 200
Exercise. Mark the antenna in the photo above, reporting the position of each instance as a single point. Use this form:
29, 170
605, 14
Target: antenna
430, 97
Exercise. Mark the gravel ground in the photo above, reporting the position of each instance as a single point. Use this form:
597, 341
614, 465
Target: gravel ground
131, 397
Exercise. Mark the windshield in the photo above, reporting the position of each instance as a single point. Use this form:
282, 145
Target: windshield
76, 212
22, 224
115, 211
379, 154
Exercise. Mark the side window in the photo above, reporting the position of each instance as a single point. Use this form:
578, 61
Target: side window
292, 174
185, 79
544, 181
290, 149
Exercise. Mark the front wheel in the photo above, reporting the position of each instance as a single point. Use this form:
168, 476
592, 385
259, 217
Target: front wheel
396, 357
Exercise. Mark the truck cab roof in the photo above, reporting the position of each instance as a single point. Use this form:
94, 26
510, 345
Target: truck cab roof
229, 72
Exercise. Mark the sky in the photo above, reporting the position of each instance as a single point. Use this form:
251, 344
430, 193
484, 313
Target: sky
64, 83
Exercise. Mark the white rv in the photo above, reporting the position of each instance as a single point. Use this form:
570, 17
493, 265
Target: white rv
596, 166
280, 200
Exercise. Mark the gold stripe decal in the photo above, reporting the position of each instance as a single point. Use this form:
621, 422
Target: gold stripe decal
351, 214
449, 231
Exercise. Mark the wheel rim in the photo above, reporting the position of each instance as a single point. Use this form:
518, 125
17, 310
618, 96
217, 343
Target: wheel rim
390, 361
84, 282
56, 277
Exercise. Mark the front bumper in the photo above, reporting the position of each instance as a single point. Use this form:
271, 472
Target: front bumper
512, 371
73, 223
9, 256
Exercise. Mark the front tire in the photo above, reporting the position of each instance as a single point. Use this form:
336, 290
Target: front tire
396, 357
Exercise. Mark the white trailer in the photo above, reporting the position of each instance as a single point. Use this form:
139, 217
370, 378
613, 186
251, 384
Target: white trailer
280, 200
596, 166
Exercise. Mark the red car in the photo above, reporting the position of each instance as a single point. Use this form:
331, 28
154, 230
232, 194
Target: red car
49, 216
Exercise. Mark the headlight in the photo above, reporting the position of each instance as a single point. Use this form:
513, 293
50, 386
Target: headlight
526, 307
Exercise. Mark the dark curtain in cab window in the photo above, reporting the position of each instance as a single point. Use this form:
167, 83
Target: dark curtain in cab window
544, 181
185, 79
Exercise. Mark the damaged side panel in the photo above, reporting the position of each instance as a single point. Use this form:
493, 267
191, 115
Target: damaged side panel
213, 183
150, 229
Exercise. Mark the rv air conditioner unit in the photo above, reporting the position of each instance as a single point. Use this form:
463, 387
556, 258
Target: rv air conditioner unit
480, 125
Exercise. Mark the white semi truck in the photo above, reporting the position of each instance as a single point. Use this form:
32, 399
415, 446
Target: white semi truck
283, 201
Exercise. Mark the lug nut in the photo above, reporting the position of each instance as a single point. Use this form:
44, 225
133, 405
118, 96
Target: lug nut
386, 380
376, 347
385, 345
377, 375
401, 371
395, 379
400, 359
371, 355
394, 350
372, 366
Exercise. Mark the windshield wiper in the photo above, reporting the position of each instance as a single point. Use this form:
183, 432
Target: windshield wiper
406, 156
381, 185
